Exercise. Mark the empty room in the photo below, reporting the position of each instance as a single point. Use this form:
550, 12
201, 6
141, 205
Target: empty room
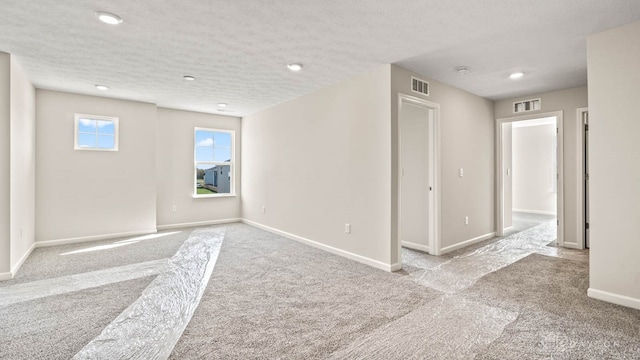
319, 180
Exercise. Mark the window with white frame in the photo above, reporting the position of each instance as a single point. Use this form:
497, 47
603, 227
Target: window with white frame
96, 132
214, 163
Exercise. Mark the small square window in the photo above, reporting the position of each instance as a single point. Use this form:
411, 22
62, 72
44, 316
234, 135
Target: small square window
95, 132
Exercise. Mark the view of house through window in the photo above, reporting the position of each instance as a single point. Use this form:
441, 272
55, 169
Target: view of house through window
213, 162
93, 132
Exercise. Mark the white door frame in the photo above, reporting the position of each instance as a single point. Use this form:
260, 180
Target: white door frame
500, 170
434, 199
580, 200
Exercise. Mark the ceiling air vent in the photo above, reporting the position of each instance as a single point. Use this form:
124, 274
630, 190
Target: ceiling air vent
419, 86
527, 105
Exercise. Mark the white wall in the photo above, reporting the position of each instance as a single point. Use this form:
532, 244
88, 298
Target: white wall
323, 160
175, 179
615, 175
467, 141
23, 166
82, 194
5, 130
17, 165
533, 171
567, 101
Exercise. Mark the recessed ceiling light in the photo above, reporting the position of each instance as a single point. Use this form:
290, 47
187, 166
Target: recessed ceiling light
109, 18
102, 87
295, 67
516, 75
223, 105
463, 70
188, 78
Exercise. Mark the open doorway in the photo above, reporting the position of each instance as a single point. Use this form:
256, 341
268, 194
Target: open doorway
530, 185
529, 175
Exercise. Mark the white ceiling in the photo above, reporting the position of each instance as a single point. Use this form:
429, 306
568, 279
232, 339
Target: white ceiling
238, 49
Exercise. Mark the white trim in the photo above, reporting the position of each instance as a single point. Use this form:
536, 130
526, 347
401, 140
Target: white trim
499, 166
198, 223
467, 243
539, 212
560, 185
24, 257
414, 246
115, 120
361, 259
535, 122
560, 168
6, 276
572, 245
614, 298
507, 229
396, 267
580, 205
231, 163
203, 196
92, 238
435, 207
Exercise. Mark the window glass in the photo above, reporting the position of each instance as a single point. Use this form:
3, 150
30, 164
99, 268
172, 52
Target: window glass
213, 162
94, 132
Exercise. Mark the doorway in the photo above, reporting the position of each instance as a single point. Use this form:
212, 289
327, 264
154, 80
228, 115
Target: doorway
417, 178
540, 188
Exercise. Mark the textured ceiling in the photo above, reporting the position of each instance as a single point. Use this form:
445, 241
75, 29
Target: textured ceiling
238, 50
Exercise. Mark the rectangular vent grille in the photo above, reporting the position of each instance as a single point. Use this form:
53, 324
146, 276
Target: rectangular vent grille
419, 86
527, 105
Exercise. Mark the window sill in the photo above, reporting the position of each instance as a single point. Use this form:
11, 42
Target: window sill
94, 149
212, 196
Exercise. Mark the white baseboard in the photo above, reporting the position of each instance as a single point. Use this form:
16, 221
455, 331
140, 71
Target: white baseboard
93, 238
535, 212
507, 229
6, 276
361, 259
24, 257
198, 223
414, 246
572, 245
467, 243
614, 298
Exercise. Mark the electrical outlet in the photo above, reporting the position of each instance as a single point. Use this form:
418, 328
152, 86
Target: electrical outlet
461, 172
174, 208
347, 228
466, 220
264, 209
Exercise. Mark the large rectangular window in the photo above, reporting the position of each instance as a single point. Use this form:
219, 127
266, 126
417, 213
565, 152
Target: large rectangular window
95, 132
214, 163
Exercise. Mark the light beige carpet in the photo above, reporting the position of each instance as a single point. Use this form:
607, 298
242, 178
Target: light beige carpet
270, 297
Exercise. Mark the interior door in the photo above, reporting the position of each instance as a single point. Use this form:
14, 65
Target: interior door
416, 176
